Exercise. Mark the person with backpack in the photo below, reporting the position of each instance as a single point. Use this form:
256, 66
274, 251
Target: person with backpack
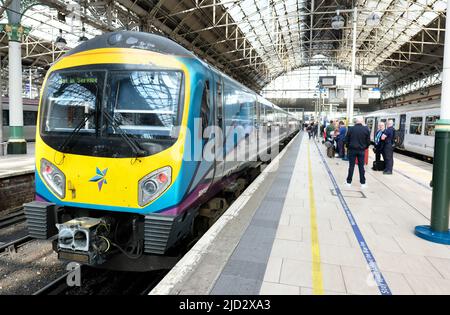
388, 148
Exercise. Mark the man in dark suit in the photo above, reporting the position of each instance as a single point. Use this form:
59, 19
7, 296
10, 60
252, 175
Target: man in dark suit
388, 148
357, 140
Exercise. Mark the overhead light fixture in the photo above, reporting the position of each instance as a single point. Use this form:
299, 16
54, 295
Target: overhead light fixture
337, 22
440, 6
83, 38
373, 19
60, 42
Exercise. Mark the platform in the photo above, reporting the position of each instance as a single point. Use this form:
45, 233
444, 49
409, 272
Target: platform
298, 230
18, 164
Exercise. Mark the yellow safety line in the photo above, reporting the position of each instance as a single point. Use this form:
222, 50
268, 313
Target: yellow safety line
317, 279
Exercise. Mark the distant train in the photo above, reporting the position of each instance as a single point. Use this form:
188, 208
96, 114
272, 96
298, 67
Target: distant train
414, 125
113, 170
30, 109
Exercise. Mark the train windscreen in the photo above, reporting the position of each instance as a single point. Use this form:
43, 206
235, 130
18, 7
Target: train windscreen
97, 112
145, 103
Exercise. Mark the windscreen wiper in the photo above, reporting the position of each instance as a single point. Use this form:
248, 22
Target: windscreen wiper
134, 145
75, 131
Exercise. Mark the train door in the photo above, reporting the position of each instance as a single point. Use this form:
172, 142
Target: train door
414, 135
401, 132
375, 128
257, 124
220, 128
370, 125
429, 131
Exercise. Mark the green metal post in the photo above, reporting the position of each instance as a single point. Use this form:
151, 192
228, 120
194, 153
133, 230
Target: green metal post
15, 32
438, 231
441, 178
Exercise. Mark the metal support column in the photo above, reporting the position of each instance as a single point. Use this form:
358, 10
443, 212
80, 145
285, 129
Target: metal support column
15, 32
1, 108
438, 231
350, 103
319, 114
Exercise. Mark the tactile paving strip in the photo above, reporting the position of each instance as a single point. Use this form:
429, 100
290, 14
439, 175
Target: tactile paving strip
244, 271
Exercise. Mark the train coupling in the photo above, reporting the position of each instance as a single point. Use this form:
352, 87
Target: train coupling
84, 240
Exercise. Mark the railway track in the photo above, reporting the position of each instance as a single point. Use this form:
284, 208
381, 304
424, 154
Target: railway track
105, 282
13, 218
55, 287
14, 245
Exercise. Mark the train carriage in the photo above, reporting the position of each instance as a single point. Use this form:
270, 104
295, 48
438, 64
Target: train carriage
414, 125
124, 120
30, 108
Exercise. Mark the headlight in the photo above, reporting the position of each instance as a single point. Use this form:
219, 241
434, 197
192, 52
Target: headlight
54, 178
153, 185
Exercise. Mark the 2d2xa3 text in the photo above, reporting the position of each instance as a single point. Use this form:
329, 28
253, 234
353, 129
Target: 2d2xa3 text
226, 304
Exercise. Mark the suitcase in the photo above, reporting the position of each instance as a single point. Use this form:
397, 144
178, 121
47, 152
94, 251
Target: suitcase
378, 166
331, 152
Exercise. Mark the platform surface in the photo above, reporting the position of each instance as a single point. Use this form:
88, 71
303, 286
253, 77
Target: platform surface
290, 233
16, 164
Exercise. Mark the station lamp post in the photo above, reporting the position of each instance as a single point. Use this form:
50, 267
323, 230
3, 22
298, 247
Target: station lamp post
337, 22
1, 110
438, 231
15, 32
319, 109
353, 69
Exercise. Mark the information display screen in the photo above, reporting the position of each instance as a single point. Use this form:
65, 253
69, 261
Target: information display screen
371, 80
328, 81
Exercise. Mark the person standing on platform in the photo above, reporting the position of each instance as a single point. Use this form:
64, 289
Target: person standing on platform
309, 130
315, 127
388, 149
379, 144
329, 130
340, 139
357, 140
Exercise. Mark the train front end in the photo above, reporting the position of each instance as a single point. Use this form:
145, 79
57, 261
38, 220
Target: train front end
109, 154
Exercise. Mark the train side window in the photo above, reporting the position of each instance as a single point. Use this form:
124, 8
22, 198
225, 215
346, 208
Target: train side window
5, 117
29, 118
415, 126
369, 123
205, 108
430, 122
258, 113
219, 102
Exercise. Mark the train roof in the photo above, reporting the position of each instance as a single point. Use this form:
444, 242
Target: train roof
150, 42
406, 108
135, 40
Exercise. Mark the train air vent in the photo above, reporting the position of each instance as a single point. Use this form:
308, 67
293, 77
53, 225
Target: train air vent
157, 232
40, 219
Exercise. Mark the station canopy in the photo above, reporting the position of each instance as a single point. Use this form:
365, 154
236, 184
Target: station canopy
256, 41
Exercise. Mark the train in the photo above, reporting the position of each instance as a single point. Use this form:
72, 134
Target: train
120, 119
414, 125
30, 108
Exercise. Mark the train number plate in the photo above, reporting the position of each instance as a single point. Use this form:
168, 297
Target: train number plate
82, 258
